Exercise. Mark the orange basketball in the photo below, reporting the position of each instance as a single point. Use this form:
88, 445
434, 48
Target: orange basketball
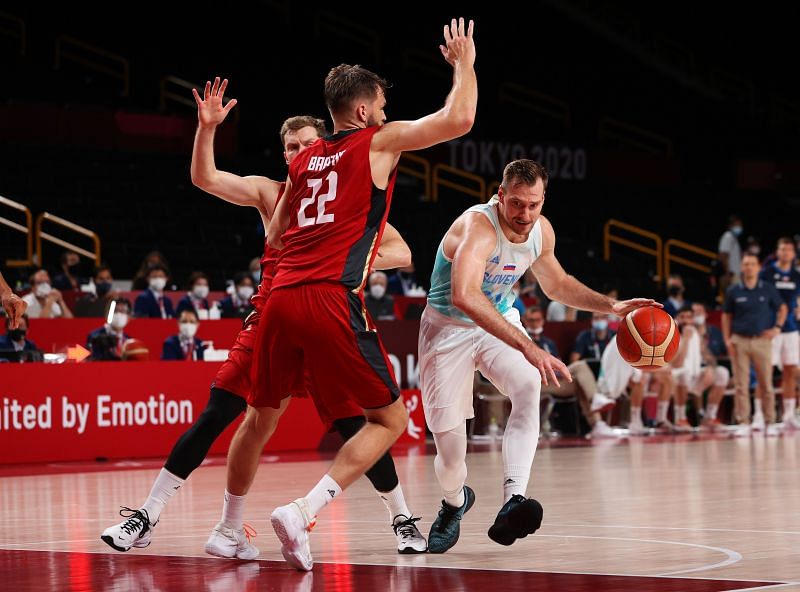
135, 350
648, 338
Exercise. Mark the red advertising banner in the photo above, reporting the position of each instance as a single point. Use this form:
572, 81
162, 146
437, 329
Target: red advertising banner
112, 410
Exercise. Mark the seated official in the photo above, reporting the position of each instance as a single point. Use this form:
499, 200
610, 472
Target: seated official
197, 297
184, 345
15, 347
152, 303
237, 305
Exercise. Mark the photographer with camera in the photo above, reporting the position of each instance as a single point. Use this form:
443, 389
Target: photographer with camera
106, 343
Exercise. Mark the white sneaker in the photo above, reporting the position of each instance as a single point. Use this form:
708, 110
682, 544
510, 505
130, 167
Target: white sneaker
601, 403
773, 429
758, 422
133, 532
790, 422
742, 431
636, 428
292, 524
602, 430
229, 543
409, 538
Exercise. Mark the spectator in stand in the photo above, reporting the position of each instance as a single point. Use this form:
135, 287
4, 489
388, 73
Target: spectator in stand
583, 386
185, 345
95, 304
196, 298
675, 300
237, 304
753, 315
153, 258
152, 303
379, 304
255, 270
711, 335
14, 345
786, 346
403, 282
44, 301
591, 343
105, 343
730, 253
69, 278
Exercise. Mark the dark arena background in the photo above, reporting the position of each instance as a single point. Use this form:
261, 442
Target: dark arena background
670, 136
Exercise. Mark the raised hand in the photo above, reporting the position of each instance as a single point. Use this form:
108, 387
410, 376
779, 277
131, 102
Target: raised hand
547, 364
15, 308
623, 307
459, 47
210, 112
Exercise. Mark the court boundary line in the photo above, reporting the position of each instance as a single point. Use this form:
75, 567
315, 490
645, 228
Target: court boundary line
770, 583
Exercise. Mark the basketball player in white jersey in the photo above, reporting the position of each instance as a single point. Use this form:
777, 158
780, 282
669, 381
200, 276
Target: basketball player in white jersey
469, 322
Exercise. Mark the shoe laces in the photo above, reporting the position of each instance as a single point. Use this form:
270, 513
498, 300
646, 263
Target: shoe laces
447, 514
407, 529
138, 521
249, 532
311, 521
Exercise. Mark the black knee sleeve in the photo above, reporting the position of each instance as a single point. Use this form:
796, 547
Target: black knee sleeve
193, 446
382, 475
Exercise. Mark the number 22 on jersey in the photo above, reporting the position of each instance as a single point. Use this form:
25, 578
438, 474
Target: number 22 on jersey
320, 199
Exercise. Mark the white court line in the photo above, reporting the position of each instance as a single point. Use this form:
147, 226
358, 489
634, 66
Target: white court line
759, 588
411, 558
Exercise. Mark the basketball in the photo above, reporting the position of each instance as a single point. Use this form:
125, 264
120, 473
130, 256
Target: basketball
648, 338
135, 350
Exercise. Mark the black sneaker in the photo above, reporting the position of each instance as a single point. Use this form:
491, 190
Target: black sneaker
447, 526
518, 518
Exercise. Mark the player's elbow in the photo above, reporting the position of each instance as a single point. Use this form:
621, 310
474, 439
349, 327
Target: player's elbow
462, 123
201, 180
461, 300
403, 256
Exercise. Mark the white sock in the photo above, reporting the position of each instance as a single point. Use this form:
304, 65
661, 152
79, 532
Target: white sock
680, 413
233, 511
521, 437
395, 502
164, 487
661, 413
515, 481
759, 411
711, 411
788, 408
636, 416
323, 493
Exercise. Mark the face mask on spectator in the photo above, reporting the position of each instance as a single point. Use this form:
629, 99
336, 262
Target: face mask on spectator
244, 292
188, 329
102, 288
158, 284
674, 291
377, 291
16, 334
119, 320
74, 268
537, 331
200, 291
600, 325
43, 289
699, 320
736, 230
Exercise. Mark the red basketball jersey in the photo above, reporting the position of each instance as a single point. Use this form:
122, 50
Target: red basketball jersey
268, 261
336, 214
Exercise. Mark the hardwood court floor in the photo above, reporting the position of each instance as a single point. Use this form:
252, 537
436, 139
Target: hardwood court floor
680, 514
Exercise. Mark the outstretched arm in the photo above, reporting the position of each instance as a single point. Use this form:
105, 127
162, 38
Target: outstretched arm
564, 288
393, 251
12, 304
458, 114
469, 264
243, 191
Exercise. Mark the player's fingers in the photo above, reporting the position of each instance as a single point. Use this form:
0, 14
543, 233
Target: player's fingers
461, 26
207, 91
197, 98
542, 371
448, 39
562, 367
443, 49
454, 28
552, 372
231, 104
471, 28
215, 87
222, 88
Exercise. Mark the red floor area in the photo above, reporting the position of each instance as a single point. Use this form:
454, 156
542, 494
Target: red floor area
27, 571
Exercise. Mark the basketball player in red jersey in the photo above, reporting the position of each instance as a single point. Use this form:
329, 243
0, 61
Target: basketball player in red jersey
338, 196
232, 384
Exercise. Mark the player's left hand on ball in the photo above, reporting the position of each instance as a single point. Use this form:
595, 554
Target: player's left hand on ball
623, 307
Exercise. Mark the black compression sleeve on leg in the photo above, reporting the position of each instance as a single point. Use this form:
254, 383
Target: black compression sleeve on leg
193, 446
383, 475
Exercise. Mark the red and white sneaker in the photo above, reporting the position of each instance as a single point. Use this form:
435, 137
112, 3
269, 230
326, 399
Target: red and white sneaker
292, 523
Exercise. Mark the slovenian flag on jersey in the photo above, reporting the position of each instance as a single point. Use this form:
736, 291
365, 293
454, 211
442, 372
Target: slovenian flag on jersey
509, 267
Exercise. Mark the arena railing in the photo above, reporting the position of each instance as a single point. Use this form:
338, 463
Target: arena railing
407, 165
27, 230
478, 191
535, 101
14, 27
634, 136
40, 236
94, 58
656, 250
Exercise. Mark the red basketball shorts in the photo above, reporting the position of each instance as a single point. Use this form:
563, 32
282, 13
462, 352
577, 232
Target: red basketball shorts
323, 330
